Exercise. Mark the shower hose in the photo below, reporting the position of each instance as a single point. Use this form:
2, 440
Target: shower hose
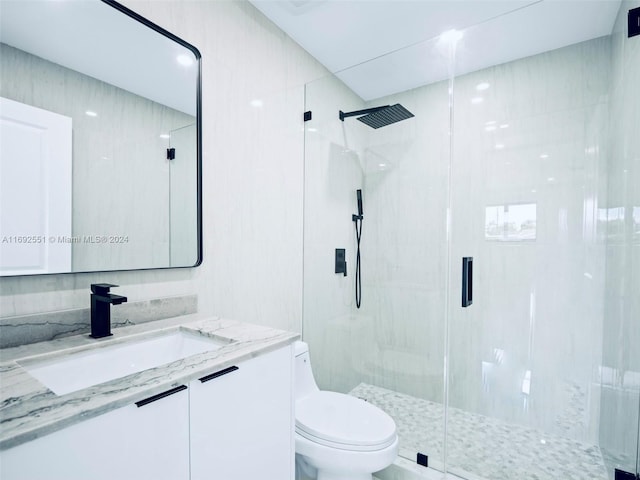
358, 271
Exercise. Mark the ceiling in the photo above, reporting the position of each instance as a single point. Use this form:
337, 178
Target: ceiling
378, 47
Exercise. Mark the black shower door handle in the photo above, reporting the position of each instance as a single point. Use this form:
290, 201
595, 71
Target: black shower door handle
467, 281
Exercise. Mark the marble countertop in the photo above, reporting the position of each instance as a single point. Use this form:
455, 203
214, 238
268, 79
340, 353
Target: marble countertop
29, 410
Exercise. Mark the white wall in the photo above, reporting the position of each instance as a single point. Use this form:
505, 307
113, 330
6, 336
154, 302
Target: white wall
252, 176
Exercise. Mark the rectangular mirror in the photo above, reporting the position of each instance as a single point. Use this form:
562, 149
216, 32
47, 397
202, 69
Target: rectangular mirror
100, 140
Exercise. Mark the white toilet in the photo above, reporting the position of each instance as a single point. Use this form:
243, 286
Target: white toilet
338, 437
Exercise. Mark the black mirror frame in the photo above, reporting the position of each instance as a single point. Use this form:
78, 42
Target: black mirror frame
196, 53
147, 23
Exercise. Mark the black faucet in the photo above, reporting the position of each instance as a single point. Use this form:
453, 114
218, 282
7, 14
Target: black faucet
101, 301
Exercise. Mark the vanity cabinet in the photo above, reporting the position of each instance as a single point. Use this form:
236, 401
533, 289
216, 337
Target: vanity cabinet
233, 424
150, 441
242, 420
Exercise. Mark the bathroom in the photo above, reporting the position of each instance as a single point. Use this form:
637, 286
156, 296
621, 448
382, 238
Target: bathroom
551, 350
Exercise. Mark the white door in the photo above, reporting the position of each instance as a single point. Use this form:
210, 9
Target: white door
35, 190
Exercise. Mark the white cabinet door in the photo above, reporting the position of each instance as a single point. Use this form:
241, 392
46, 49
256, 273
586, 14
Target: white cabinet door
242, 421
148, 442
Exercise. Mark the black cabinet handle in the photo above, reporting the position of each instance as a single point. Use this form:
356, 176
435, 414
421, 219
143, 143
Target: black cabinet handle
217, 374
160, 396
467, 281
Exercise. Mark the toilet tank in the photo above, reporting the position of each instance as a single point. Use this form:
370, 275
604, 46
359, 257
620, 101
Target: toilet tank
305, 383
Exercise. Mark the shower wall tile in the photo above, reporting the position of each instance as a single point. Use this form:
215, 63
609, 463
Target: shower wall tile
252, 176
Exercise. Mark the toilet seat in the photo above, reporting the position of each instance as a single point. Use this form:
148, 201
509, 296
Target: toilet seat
345, 422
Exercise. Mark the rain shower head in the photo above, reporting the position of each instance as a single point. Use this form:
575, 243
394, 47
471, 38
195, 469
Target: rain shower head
380, 116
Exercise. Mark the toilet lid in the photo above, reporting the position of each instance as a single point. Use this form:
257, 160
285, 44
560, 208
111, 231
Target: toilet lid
336, 418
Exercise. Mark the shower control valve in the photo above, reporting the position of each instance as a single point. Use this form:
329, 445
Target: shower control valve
341, 261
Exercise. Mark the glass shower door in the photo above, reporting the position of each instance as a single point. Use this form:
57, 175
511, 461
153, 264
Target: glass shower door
543, 366
527, 176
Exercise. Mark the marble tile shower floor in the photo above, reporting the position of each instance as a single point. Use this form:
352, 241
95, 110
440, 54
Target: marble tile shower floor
482, 446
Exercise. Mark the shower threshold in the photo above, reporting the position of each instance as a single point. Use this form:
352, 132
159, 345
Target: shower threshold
481, 446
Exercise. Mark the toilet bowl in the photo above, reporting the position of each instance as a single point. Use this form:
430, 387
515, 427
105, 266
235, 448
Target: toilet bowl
338, 437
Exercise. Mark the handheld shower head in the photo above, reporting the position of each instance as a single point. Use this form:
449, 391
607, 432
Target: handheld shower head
358, 216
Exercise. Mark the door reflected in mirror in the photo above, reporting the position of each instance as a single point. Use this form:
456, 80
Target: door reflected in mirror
100, 164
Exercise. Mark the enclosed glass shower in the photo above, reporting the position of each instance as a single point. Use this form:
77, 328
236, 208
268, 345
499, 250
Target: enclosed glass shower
532, 169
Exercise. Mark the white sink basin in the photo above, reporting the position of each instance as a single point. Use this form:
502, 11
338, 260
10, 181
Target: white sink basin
90, 367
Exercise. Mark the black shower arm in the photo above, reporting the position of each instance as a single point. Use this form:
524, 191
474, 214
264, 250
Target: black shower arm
361, 112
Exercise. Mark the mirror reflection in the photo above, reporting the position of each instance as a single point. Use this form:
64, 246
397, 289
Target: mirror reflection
99, 142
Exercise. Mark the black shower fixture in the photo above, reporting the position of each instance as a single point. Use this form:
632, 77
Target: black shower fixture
355, 219
377, 117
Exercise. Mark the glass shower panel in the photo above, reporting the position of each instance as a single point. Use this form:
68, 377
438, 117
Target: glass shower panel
620, 400
542, 367
390, 350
